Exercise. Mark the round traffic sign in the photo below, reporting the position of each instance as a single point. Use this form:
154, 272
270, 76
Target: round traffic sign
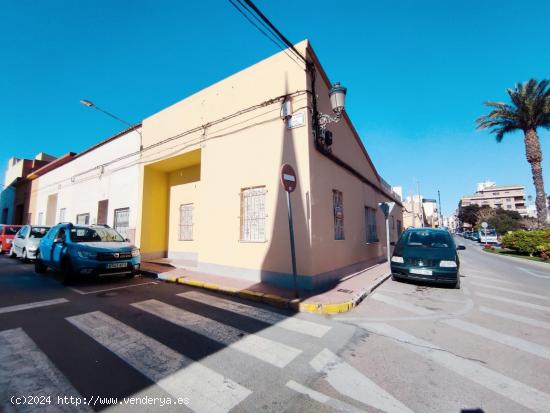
288, 177
484, 224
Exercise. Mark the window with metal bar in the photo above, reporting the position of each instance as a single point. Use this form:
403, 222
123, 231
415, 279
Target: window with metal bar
253, 215
338, 209
370, 224
186, 222
83, 219
122, 221
62, 213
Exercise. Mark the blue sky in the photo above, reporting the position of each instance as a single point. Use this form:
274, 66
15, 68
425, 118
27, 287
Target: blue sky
417, 73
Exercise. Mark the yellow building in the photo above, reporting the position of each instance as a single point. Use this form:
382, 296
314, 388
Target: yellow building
210, 189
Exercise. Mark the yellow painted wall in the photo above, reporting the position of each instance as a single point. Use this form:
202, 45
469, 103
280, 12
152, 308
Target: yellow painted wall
184, 188
154, 224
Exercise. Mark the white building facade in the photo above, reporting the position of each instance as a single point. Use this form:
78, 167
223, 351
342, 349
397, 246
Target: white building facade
99, 186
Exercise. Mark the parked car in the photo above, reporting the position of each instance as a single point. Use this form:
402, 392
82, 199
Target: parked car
474, 236
7, 233
26, 241
85, 251
488, 236
427, 254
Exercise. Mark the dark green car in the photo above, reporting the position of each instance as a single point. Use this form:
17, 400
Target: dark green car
426, 254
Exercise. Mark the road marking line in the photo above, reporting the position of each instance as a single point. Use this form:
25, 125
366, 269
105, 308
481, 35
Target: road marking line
207, 390
351, 383
109, 289
516, 302
261, 314
402, 305
509, 290
35, 304
25, 370
533, 273
515, 317
479, 277
505, 386
270, 351
517, 343
323, 398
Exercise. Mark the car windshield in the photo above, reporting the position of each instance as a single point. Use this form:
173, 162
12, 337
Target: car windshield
11, 230
489, 231
427, 239
38, 232
83, 234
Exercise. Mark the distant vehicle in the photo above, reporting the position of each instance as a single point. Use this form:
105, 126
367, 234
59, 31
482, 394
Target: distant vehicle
427, 254
86, 250
488, 236
467, 234
26, 241
474, 236
7, 233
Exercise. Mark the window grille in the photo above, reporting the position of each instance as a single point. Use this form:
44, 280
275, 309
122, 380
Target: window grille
62, 213
370, 220
253, 215
40, 217
186, 222
122, 221
83, 219
338, 207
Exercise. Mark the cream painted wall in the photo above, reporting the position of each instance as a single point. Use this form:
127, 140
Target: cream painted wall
80, 185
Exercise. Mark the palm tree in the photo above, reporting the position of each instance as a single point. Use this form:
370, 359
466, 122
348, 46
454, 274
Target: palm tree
529, 110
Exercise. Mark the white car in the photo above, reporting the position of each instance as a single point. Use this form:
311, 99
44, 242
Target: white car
26, 241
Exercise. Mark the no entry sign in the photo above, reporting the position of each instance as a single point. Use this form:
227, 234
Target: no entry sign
288, 177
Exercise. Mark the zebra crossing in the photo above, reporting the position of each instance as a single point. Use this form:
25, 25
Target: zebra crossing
340, 385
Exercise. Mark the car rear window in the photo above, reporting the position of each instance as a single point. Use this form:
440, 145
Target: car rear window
38, 232
11, 230
427, 239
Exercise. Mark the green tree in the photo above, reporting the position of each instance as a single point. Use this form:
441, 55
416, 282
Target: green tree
529, 110
468, 214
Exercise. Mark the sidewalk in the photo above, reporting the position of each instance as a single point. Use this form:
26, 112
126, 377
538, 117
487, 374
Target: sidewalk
348, 293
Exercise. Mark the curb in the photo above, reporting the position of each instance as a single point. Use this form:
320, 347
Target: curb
518, 259
275, 300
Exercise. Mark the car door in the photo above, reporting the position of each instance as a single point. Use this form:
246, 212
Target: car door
46, 246
19, 240
58, 248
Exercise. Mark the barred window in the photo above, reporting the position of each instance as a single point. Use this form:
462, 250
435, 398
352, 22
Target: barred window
186, 222
83, 219
370, 224
122, 221
253, 215
338, 209
62, 213
40, 218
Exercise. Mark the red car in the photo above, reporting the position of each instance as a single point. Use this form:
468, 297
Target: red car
7, 233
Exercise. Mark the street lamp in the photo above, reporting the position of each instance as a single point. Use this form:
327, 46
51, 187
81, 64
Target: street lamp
91, 104
337, 96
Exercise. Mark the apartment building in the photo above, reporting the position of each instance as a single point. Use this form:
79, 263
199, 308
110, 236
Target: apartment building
508, 197
420, 212
199, 182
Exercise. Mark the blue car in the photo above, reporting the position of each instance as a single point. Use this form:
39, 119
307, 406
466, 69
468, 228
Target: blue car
86, 251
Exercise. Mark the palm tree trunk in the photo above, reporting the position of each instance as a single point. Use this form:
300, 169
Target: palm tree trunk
534, 157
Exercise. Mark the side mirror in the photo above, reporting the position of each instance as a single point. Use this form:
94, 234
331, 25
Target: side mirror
460, 247
392, 243
58, 241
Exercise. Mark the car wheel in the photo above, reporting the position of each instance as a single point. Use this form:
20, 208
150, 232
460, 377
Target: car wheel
39, 268
456, 286
66, 272
12, 253
25, 257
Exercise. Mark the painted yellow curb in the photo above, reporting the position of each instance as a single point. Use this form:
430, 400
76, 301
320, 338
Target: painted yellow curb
276, 300
251, 295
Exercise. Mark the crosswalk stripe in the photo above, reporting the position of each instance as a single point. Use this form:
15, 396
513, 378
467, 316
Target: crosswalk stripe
35, 304
510, 290
26, 371
261, 314
505, 386
323, 398
270, 351
401, 304
181, 377
515, 302
517, 343
351, 383
515, 317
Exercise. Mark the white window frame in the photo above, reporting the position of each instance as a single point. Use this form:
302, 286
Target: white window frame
186, 222
253, 217
87, 218
62, 214
40, 218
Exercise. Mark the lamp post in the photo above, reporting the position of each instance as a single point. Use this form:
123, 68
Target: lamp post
91, 104
337, 96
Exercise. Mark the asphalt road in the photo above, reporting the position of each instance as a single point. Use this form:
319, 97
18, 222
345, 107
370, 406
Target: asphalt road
406, 348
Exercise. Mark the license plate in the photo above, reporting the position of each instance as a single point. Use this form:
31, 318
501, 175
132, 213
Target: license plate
420, 271
117, 265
